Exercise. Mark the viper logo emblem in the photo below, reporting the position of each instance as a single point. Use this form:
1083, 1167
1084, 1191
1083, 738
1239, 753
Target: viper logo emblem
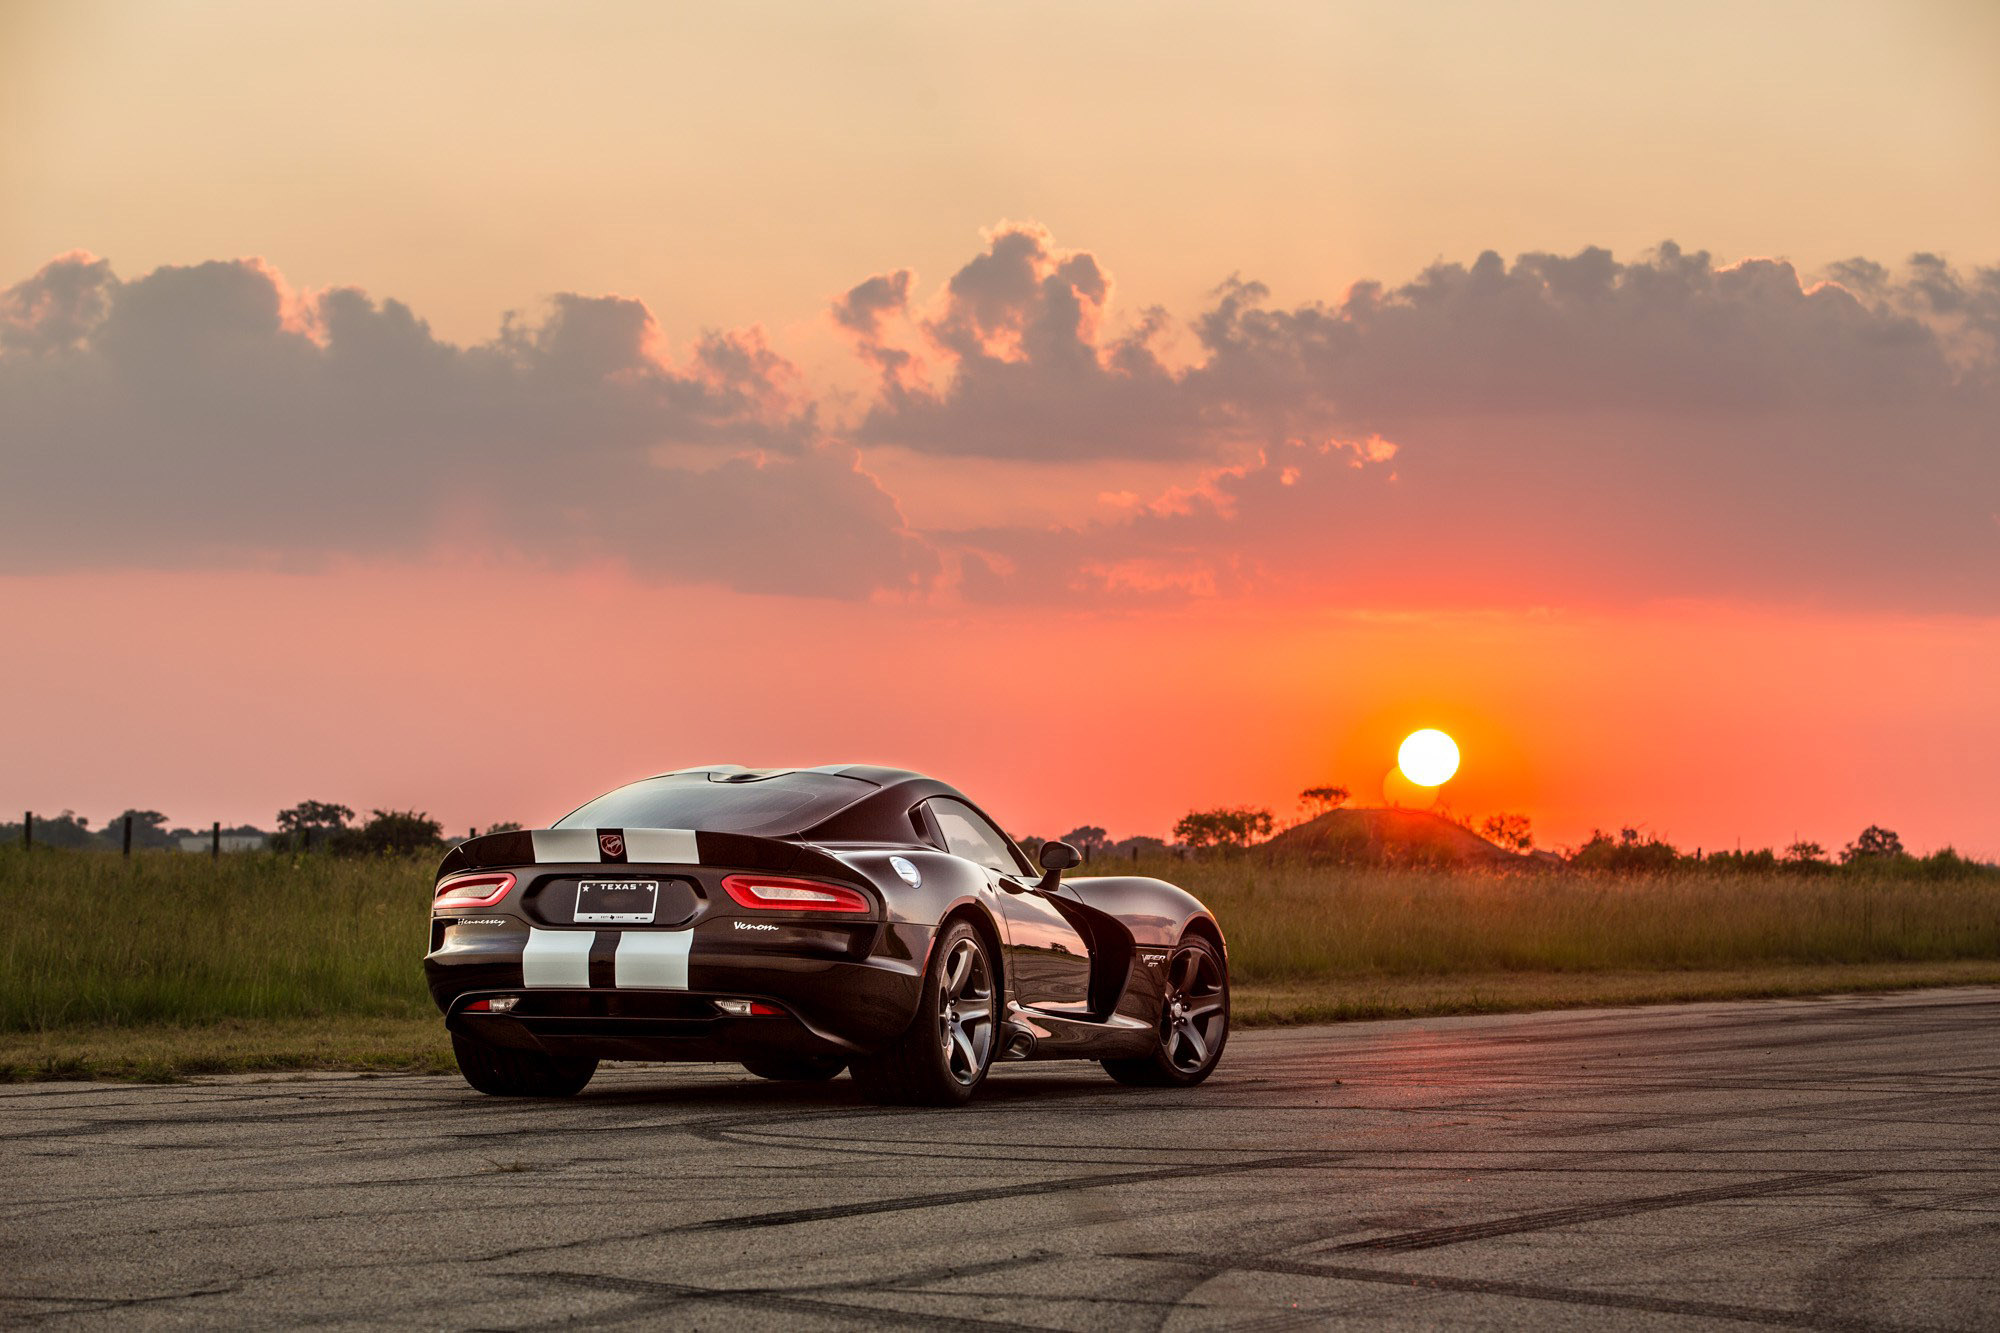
612, 843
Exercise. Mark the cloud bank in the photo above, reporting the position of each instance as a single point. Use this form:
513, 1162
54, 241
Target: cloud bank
211, 415
1551, 430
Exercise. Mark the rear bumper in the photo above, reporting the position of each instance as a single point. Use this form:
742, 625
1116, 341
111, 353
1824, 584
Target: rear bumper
609, 1026
832, 1001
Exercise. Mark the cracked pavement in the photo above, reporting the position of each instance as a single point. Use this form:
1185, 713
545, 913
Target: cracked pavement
1823, 1164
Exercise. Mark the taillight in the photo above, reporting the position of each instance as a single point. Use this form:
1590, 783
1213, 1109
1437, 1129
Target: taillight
772, 893
482, 890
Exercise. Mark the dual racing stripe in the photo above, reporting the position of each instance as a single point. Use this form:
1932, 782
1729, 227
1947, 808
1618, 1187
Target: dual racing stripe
637, 846
640, 959
633, 959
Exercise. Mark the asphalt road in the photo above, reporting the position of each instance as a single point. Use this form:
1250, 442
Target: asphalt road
1825, 1164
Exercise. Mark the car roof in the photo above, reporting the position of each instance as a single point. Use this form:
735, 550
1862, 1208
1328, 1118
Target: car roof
880, 815
875, 773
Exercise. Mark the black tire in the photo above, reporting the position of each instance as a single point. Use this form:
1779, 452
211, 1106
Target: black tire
500, 1072
946, 1053
1194, 1021
797, 1069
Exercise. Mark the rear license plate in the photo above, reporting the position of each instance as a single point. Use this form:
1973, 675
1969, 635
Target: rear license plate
625, 902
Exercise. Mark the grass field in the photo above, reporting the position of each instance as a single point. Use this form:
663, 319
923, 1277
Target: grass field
167, 965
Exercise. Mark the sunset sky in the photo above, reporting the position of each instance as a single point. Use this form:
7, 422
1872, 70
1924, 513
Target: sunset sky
1112, 409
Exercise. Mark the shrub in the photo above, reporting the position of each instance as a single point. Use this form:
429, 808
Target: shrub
1629, 854
1237, 828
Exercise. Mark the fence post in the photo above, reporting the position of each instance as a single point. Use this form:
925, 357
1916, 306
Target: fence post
128, 835
28, 832
215, 841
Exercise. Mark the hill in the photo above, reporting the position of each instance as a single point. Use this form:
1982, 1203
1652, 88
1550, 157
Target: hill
1382, 837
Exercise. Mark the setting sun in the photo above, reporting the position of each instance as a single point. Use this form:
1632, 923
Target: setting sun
1428, 757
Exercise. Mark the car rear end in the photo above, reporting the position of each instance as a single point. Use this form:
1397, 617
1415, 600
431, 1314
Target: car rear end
667, 944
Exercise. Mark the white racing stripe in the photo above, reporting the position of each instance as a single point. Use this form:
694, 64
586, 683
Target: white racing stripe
660, 846
653, 959
565, 844
558, 958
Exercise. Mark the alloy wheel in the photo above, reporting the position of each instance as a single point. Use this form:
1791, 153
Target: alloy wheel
965, 1011
1196, 1014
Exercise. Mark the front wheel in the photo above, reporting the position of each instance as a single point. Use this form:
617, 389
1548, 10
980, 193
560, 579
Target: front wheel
949, 1048
501, 1072
1194, 1021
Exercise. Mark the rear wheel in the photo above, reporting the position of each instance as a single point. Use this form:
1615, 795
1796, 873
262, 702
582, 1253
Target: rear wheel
948, 1049
502, 1072
1194, 1021
797, 1069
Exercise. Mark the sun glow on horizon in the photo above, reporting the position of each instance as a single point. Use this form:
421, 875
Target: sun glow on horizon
1428, 757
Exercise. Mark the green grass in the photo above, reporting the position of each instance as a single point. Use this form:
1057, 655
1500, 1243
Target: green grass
168, 965
92, 938
1299, 923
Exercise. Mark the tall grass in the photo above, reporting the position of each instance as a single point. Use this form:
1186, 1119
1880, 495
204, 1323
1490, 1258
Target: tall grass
1298, 922
90, 938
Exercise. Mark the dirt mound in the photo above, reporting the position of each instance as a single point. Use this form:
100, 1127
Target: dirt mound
1386, 837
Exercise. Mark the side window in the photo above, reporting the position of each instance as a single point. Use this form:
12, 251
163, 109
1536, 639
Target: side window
968, 834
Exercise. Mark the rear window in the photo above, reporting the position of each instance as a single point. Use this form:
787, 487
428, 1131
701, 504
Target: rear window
723, 803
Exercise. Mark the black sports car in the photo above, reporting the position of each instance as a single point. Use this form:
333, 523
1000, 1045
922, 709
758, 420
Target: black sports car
805, 921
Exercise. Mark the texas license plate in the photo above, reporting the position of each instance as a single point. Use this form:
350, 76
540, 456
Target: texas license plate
623, 902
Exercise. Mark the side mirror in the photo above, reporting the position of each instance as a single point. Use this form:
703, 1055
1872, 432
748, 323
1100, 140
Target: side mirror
1054, 858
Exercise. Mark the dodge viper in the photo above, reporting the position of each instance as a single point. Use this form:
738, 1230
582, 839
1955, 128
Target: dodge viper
802, 922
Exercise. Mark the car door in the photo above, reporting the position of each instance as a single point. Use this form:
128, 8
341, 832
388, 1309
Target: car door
1047, 960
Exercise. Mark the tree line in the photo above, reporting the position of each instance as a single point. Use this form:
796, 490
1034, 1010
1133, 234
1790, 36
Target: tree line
1237, 828
309, 826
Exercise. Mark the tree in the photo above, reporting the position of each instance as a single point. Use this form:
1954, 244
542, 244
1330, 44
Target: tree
148, 829
394, 833
1509, 831
1240, 827
1874, 843
1803, 855
1629, 852
314, 817
505, 826
1089, 839
68, 829
1317, 801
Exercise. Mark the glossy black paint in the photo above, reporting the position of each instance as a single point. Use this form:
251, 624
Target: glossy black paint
1081, 965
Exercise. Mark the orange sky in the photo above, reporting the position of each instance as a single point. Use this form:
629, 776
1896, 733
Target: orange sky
484, 694
1112, 409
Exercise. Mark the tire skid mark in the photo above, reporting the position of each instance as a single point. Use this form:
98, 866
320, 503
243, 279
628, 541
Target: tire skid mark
1060, 1185
1855, 1218
75, 1305
1839, 1110
1852, 1275
1433, 1237
1532, 1291
943, 1199
765, 1298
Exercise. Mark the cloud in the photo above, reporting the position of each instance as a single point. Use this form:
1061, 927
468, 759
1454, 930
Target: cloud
1031, 372
1556, 429
1552, 430
211, 415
